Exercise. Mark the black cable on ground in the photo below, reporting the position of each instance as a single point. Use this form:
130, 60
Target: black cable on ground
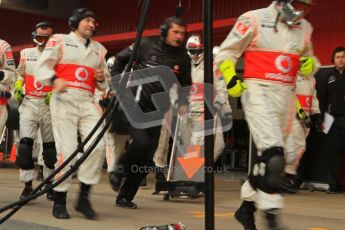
73, 168
67, 161
113, 105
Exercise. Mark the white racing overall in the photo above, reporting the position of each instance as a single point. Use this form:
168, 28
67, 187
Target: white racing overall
272, 50
74, 111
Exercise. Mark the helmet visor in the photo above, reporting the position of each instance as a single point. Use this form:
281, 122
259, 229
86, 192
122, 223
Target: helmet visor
301, 6
289, 14
40, 40
195, 51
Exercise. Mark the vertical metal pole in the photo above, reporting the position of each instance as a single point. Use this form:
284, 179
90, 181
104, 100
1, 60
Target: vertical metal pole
250, 153
209, 142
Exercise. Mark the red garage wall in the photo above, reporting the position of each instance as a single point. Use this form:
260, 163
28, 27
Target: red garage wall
118, 19
16, 27
328, 20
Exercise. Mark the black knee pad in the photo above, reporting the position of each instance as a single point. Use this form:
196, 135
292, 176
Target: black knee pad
49, 154
274, 170
24, 160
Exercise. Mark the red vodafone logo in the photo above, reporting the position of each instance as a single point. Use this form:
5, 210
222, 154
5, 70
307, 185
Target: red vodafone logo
194, 89
81, 74
283, 63
242, 28
9, 55
38, 86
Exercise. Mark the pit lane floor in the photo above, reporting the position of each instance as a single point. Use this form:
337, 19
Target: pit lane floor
305, 210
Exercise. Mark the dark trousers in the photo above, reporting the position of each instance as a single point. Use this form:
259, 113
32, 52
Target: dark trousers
137, 161
336, 147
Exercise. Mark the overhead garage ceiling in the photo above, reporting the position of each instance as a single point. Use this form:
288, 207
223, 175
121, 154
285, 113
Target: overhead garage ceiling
52, 8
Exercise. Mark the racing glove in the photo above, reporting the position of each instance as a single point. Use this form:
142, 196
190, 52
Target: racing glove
47, 98
104, 102
18, 91
234, 84
308, 64
317, 121
302, 116
300, 112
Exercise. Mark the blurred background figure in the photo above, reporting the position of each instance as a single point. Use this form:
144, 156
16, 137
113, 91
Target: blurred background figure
271, 63
34, 111
331, 94
195, 49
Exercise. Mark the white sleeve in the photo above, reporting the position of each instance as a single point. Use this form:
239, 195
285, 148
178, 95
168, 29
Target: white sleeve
237, 40
7, 64
44, 71
102, 86
22, 66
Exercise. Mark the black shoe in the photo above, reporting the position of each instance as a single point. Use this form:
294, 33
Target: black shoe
60, 211
288, 184
27, 190
39, 176
245, 215
160, 175
115, 181
298, 182
51, 195
272, 220
124, 203
84, 206
333, 189
143, 183
59, 207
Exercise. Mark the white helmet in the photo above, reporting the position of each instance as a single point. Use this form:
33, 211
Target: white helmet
292, 14
215, 50
195, 48
41, 39
110, 62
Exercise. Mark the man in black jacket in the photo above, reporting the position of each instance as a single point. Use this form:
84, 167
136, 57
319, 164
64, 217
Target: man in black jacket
165, 50
331, 94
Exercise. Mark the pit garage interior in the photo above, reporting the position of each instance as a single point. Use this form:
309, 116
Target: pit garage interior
117, 21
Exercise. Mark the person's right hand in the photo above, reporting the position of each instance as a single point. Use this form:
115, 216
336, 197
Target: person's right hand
234, 84
19, 92
300, 112
236, 87
59, 85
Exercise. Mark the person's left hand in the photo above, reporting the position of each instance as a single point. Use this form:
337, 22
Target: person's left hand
317, 121
99, 74
59, 85
182, 110
308, 64
47, 98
